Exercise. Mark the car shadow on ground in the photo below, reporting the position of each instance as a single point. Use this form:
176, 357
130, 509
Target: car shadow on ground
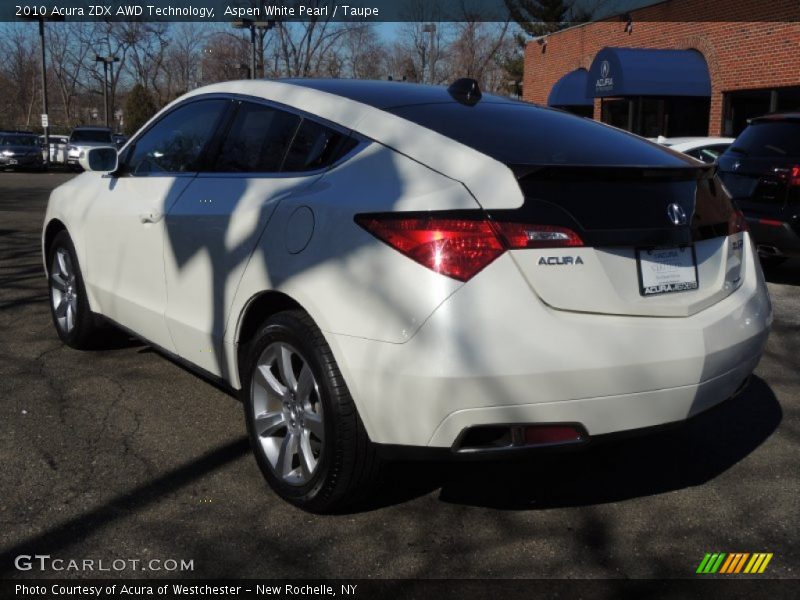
787, 273
610, 470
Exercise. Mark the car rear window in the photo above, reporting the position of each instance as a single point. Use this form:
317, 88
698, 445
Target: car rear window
773, 139
18, 140
518, 133
316, 146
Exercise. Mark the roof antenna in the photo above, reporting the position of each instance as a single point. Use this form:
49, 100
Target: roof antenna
466, 91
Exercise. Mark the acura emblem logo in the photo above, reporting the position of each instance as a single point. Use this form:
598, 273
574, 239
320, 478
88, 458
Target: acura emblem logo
676, 214
604, 69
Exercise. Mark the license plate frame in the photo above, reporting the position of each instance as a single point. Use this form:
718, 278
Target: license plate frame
667, 270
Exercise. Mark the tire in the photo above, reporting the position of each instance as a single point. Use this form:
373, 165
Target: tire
307, 437
69, 305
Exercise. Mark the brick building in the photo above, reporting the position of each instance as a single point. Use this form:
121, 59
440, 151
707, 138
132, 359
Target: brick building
673, 68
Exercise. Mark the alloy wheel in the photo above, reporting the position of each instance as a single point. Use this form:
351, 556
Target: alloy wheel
287, 413
64, 290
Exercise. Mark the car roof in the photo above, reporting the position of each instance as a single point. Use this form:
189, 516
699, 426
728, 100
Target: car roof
460, 163
386, 94
778, 116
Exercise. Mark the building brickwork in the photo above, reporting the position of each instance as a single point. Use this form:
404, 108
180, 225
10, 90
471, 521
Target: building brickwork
741, 55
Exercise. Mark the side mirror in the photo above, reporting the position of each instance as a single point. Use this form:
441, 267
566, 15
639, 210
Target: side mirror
101, 160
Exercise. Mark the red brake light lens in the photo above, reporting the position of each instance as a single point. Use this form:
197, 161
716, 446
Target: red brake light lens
460, 248
737, 223
794, 176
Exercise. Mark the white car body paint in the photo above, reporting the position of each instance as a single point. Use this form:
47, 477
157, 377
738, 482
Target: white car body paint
424, 356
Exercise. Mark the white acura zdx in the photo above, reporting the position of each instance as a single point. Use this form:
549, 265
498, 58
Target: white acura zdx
386, 269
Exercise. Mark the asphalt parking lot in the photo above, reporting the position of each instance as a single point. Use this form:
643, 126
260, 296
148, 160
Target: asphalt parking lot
122, 454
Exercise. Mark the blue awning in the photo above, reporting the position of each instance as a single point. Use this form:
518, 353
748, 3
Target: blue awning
570, 90
648, 72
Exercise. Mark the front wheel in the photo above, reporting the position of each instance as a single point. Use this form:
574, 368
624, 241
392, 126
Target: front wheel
69, 306
304, 428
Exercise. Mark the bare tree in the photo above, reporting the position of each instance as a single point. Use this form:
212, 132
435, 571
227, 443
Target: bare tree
423, 42
474, 52
364, 56
182, 65
311, 47
20, 65
147, 52
69, 53
223, 56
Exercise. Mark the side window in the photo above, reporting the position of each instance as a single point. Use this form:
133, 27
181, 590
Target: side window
257, 140
174, 144
316, 146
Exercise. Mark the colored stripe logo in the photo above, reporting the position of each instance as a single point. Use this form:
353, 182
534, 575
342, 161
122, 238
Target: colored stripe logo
734, 563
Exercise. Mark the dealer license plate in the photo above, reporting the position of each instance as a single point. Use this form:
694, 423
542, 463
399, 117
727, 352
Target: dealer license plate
666, 270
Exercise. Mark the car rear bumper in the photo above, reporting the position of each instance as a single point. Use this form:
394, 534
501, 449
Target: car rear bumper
493, 353
775, 237
22, 162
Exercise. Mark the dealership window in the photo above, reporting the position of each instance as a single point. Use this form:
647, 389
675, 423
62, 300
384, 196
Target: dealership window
672, 116
741, 105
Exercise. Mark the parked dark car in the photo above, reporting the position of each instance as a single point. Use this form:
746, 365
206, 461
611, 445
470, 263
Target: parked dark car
761, 169
20, 150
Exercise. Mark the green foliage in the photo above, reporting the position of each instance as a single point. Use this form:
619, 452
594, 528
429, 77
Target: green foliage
138, 109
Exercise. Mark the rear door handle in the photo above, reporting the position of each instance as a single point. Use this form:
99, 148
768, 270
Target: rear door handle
151, 217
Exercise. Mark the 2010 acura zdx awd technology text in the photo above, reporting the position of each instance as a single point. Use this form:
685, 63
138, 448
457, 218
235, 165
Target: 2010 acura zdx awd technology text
388, 269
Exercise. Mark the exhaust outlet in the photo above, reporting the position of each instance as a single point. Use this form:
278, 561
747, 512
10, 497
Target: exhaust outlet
768, 251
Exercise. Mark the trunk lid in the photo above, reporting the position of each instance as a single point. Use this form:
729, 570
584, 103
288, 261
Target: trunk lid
655, 239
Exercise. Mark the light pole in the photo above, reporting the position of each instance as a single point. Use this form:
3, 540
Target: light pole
45, 117
253, 26
108, 62
430, 28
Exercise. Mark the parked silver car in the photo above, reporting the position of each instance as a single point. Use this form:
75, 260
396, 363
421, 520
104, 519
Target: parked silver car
83, 138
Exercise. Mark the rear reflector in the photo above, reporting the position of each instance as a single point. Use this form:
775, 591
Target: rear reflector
460, 248
508, 437
794, 176
519, 235
770, 222
536, 435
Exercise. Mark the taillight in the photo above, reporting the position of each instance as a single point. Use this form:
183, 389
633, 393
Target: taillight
794, 176
460, 248
791, 175
737, 223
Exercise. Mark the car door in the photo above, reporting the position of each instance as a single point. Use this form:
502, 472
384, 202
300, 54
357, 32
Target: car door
125, 221
214, 226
